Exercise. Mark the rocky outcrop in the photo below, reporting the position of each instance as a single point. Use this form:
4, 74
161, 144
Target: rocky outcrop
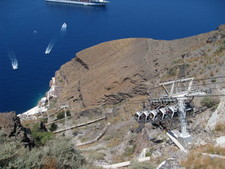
6, 122
11, 126
220, 141
218, 116
170, 164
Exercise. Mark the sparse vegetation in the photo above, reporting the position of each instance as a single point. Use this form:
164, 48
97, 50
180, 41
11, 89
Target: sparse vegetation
115, 141
176, 61
209, 102
53, 127
39, 136
214, 107
55, 154
129, 150
196, 160
172, 71
97, 156
220, 127
61, 114
213, 80
44, 120
141, 165
220, 49
149, 152
211, 149
108, 137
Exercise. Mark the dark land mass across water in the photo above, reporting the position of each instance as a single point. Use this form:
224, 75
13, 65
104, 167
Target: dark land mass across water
27, 27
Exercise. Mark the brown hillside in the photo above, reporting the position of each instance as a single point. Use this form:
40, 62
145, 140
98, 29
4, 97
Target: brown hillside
112, 71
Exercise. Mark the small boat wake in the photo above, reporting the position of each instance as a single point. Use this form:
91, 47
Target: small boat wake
49, 47
52, 42
63, 28
14, 64
14, 61
35, 32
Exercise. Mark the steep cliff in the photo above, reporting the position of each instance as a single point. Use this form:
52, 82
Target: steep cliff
111, 72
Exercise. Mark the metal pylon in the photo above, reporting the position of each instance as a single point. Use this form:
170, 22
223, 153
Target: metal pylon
182, 116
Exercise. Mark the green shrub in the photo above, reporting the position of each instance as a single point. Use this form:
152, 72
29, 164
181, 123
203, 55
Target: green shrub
55, 154
148, 154
61, 114
53, 127
39, 136
213, 80
209, 102
68, 113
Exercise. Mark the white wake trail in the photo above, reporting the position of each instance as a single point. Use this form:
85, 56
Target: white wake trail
14, 61
64, 27
52, 42
15, 64
49, 47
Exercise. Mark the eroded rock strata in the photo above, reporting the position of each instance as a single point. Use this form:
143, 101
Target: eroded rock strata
111, 72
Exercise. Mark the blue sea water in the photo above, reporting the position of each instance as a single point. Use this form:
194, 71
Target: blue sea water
27, 27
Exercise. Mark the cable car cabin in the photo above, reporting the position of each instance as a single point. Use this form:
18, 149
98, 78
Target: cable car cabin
153, 115
147, 115
171, 111
138, 116
162, 113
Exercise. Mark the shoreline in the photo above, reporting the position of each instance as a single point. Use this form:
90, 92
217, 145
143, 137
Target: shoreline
42, 105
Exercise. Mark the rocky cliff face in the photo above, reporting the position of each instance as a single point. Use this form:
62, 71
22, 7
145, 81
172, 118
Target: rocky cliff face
111, 72
11, 126
6, 121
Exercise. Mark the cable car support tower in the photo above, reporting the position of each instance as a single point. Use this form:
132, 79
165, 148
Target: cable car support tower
181, 90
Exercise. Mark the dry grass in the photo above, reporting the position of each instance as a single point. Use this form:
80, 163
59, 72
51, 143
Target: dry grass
142, 165
193, 59
196, 160
129, 151
212, 150
115, 141
220, 127
50, 163
96, 156
117, 158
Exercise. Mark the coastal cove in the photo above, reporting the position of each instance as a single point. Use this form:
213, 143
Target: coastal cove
27, 27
